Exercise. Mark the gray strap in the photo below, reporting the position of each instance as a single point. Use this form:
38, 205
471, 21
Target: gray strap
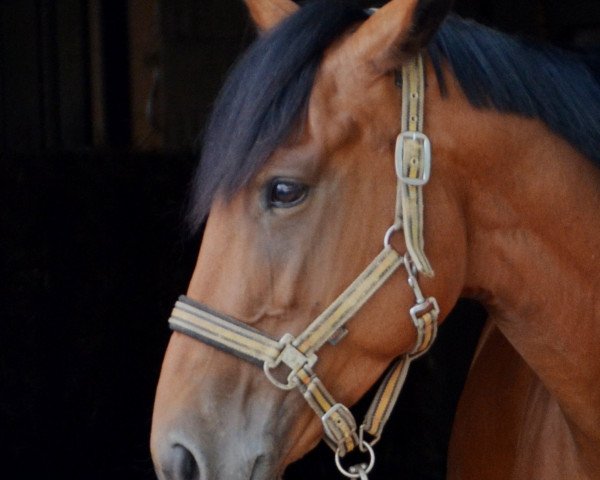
413, 162
350, 301
385, 399
223, 332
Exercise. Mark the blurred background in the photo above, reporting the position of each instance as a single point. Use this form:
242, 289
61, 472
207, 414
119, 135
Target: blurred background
101, 105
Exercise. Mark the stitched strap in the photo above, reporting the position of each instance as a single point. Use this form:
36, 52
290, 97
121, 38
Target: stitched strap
338, 422
223, 332
413, 162
387, 395
350, 301
426, 326
385, 399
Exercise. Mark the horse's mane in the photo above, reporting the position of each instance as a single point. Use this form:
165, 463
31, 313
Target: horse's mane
266, 93
535, 80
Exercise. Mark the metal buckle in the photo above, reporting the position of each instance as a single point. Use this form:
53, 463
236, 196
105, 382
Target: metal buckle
429, 304
413, 283
425, 157
345, 414
292, 358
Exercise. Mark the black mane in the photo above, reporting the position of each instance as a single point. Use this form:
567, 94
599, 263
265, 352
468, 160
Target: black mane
266, 93
558, 87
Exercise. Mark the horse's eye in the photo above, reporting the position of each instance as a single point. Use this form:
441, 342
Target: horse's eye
286, 193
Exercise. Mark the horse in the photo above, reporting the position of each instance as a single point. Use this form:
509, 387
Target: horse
474, 157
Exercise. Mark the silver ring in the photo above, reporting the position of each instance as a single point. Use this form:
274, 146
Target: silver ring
388, 235
348, 474
283, 386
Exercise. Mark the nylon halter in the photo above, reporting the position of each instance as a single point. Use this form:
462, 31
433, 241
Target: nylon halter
298, 354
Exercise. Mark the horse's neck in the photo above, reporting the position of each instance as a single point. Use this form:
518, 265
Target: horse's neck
520, 430
533, 214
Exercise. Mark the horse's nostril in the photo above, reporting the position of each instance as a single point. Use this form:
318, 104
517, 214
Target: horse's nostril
183, 464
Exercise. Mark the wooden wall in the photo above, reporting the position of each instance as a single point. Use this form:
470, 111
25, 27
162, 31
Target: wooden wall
44, 79
142, 74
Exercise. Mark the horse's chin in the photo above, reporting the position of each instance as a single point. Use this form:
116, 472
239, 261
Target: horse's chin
265, 470
296, 454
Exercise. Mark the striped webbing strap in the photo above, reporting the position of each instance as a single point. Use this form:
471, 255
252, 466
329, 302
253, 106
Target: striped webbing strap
413, 163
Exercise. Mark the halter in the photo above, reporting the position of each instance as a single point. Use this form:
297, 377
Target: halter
298, 354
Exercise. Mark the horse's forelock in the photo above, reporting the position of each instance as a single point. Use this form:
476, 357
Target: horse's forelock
263, 99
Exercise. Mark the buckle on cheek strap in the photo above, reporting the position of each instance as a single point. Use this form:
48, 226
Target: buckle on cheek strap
413, 164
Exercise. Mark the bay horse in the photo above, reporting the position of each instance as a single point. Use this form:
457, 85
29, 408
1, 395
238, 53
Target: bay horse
497, 199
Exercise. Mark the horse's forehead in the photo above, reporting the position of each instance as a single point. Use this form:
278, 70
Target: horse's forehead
339, 73
346, 86
346, 100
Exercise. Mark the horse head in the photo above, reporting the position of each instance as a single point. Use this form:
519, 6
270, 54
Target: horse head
299, 183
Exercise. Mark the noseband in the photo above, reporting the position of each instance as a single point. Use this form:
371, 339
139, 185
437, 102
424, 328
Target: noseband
298, 354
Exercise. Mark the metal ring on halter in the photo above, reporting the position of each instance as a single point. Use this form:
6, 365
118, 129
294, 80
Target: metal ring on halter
293, 358
292, 381
365, 470
362, 441
390, 231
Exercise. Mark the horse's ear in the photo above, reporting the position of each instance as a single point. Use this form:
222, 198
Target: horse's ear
268, 13
397, 30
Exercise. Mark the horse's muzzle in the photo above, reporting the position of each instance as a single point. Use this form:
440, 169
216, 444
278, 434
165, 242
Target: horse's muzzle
176, 462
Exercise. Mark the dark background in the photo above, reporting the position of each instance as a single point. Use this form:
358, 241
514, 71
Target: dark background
100, 106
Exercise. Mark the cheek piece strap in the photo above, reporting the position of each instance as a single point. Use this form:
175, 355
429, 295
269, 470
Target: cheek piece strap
288, 362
